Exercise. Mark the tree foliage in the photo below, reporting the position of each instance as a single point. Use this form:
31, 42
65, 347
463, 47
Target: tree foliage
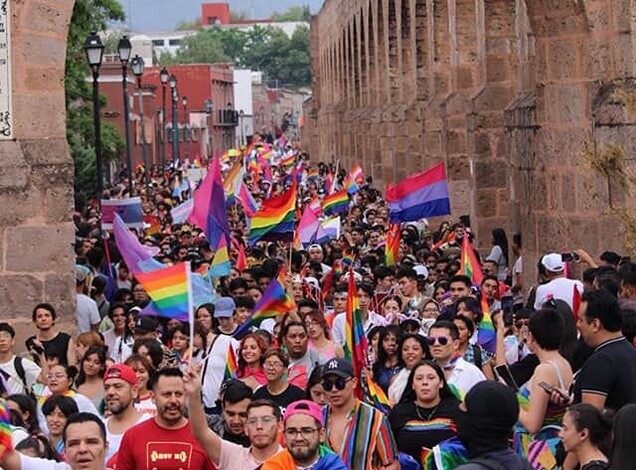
295, 13
267, 49
88, 16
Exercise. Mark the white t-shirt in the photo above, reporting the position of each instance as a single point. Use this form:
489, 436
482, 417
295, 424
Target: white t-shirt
34, 463
14, 383
236, 457
87, 313
114, 440
398, 384
110, 339
340, 322
146, 406
122, 349
465, 375
497, 255
214, 367
560, 288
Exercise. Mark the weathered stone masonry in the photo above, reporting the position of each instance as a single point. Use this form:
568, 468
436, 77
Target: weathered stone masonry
508, 93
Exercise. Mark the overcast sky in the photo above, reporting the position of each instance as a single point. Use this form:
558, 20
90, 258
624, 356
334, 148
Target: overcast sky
153, 15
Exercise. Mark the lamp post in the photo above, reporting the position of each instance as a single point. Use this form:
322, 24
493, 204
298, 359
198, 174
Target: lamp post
175, 130
94, 50
124, 49
184, 102
241, 116
137, 66
209, 110
230, 119
164, 76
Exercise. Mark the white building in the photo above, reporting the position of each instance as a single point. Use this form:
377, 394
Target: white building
243, 104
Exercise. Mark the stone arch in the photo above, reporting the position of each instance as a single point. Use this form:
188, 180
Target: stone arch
36, 171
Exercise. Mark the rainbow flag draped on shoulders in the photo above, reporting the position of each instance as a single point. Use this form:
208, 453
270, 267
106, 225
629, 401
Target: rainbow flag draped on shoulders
5, 428
419, 196
355, 338
336, 203
170, 291
274, 301
275, 220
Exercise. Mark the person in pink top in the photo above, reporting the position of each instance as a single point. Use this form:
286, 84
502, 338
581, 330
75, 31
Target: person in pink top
250, 361
319, 338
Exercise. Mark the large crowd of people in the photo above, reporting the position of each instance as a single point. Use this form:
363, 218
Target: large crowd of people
508, 373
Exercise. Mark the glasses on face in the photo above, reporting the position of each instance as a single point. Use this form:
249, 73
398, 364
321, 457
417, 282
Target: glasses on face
272, 365
5, 335
305, 433
339, 384
442, 340
58, 376
520, 323
264, 420
430, 310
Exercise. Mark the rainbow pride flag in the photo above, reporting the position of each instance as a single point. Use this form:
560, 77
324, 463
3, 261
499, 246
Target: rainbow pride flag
221, 264
5, 428
392, 245
374, 395
450, 453
336, 203
169, 288
231, 182
312, 174
469, 263
274, 301
231, 364
288, 161
355, 339
486, 335
350, 185
275, 219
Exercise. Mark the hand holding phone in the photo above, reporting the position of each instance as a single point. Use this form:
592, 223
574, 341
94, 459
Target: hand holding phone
555, 392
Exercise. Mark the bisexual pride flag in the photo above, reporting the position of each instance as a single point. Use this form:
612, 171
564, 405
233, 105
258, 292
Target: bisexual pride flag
419, 196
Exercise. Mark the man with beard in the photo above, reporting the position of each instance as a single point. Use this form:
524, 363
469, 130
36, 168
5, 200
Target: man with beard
166, 441
262, 427
304, 433
357, 431
120, 392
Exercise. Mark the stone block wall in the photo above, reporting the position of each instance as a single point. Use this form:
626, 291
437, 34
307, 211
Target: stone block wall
36, 171
509, 94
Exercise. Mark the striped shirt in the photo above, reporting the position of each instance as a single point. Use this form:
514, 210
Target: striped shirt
368, 440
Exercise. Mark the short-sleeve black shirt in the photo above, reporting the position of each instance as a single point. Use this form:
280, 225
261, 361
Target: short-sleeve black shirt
611, 372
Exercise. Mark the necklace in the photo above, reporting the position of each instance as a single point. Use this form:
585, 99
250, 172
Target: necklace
430, 415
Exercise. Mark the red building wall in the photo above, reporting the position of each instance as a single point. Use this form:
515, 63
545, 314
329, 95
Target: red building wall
215, 13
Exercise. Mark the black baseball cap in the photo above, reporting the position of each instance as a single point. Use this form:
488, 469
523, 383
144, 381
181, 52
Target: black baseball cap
339, 367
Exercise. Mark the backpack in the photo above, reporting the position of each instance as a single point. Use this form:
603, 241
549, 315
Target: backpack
492, 464
19, 369
477, 355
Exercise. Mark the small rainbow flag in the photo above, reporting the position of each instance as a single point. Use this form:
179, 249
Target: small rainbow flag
355, 338
231, 365
450, 453
336, 203
348, 258
392, 245
357, 174
221, 264
374, 395
288, 161
469, 263
5, 429
350, 185
486, 336
169, 288
275, 219
312, 174
274, 301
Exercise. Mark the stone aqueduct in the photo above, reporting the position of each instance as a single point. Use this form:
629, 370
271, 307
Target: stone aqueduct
513, 95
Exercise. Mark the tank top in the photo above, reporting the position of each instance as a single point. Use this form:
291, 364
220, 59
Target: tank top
56, 347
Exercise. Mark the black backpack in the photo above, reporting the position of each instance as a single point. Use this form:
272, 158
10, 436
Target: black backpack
19, 369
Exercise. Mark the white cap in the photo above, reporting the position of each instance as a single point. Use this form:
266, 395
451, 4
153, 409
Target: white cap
421, 270
553, 262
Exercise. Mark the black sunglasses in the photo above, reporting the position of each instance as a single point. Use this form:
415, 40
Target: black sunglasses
339, 383
443, 340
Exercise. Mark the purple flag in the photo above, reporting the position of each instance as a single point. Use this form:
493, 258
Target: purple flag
133, 252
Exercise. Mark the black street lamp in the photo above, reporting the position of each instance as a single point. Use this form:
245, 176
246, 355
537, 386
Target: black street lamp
124, 49
164, 76
184, 102
175, 125
94, 50
137, 66
241, 116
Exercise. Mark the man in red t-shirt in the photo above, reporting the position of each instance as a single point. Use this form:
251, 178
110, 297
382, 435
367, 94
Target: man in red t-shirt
166, 441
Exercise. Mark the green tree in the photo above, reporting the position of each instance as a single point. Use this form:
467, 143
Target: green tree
201, 48
88, 16
295, 13
188, 25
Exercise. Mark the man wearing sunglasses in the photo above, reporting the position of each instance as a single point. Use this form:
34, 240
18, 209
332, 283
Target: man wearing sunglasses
304, 435
443, 340
363, 447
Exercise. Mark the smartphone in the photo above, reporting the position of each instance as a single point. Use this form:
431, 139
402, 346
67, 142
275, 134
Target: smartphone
32, 347
549, 389
507, 301
569, 257
503, 372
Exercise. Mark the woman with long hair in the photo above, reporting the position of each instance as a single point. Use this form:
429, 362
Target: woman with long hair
319, 338
143, 368
412, 349
426, 413
91, 375
387, 365
586, 434
622, 455
499, 253
124, 343
250, 361
539, 418
281, 392
27, 407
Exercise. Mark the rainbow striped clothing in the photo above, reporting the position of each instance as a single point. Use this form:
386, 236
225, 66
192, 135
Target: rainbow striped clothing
368, 440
